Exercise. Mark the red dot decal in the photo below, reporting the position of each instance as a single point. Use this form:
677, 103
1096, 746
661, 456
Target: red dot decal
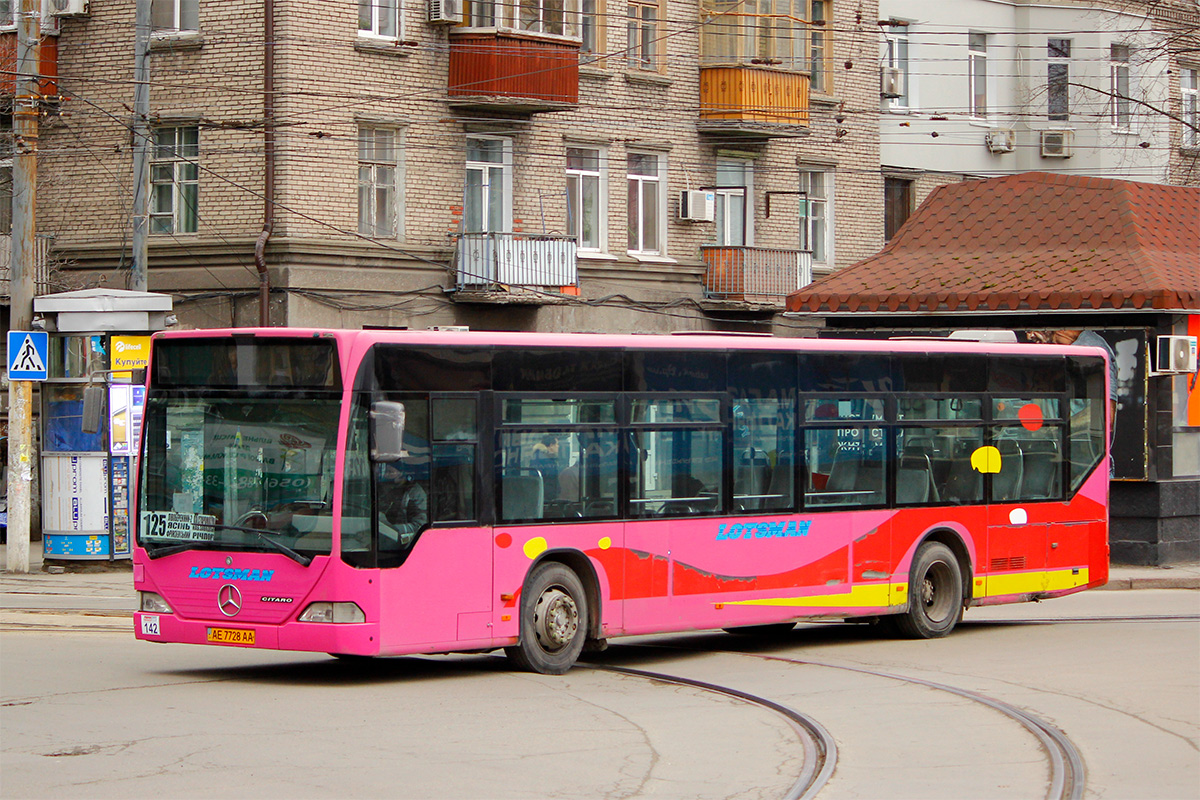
503, 540
1030, 415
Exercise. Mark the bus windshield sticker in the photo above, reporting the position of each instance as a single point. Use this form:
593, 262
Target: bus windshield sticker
178, 526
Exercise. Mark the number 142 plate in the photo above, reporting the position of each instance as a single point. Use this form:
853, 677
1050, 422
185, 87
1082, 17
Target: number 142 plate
230, 636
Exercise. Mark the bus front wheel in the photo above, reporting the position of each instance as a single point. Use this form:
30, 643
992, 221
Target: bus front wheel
553, 621
935, 594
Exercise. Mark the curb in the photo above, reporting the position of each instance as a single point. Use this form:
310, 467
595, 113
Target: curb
1175, 582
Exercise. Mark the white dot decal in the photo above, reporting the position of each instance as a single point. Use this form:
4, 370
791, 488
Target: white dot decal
1018, 516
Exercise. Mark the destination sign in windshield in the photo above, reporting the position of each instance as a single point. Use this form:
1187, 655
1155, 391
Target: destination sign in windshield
178, 526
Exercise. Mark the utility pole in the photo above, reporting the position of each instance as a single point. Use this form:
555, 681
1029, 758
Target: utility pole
141, 146
20, 393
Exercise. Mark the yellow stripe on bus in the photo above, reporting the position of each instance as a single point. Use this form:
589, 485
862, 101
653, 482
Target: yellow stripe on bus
1055, 580
875, 595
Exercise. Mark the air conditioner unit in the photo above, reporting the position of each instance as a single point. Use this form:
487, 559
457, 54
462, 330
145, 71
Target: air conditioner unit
1176, 354
697, 206
445, 12
1057, 144
1001, 140
69, 8
891, 82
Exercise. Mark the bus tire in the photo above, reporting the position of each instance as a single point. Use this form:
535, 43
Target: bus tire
935, 594
553, 621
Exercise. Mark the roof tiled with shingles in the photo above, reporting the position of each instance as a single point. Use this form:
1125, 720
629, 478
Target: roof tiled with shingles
1031, 241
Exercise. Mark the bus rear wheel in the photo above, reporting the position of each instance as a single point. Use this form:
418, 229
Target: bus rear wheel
935, 594
553, 621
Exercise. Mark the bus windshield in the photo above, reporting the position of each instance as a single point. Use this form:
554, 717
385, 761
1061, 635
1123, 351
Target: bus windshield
238, 471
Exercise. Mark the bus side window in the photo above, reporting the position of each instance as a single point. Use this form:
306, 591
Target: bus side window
455, 435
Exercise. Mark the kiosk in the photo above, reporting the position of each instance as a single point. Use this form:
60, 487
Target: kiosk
91, 416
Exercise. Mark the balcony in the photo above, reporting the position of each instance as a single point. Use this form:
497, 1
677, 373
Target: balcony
509, 71
42, 283
47, 57
515, 268
749, 276
753, 102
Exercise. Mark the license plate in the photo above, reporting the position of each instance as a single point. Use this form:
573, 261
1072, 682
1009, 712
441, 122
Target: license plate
150, 626
230, 636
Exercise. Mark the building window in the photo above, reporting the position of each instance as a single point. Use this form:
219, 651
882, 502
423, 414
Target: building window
735, 224
1189, 89
642, 21
378, 183
591, 29
175, 180
647, 202
816, 205
897, 205
8, 17
897, 59
1118, 69
821, 18
554, 17
586, 197
174, 15
1058, 79
379, 18
761, 32
977, 73
487, 206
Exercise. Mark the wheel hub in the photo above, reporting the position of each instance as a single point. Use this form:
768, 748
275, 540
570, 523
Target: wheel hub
556, 619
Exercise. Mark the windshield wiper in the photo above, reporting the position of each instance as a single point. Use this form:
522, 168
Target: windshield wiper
161, 552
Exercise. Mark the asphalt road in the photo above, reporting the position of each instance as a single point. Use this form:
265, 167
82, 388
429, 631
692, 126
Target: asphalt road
88, 712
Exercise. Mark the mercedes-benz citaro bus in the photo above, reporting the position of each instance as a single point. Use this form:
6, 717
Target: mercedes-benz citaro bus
369, 493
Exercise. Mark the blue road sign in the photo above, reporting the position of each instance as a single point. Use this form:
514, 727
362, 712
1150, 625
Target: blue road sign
28, 354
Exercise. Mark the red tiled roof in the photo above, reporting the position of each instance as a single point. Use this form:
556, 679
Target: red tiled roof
1030, 242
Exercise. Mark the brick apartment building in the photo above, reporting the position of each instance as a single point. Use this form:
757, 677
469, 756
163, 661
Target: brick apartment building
493, 164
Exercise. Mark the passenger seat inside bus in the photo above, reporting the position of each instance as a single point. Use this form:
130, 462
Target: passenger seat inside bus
522, 496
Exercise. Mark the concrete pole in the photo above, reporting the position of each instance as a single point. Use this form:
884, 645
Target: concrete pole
138, 280
20, 393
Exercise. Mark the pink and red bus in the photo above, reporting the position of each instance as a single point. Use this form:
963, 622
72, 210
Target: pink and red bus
365, 493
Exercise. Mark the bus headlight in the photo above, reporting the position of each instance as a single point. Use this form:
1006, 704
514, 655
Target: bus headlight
333, 612
153, 603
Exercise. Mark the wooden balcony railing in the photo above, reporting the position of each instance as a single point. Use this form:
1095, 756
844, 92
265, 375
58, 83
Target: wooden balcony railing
734, 96
754, 274
511, 69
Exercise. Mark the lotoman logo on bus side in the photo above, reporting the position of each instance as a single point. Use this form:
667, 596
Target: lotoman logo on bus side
772, 529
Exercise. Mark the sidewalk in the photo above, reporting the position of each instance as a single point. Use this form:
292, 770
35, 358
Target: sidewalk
98, 590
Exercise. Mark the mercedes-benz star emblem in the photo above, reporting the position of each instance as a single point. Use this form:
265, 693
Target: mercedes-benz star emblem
229, 600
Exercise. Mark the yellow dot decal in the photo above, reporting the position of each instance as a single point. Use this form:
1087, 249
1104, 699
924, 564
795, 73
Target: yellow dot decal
605, 543
986, 459
535, 546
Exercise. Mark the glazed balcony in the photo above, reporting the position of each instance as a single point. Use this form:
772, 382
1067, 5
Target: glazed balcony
510, 71
753, 101
754, 275
509, 267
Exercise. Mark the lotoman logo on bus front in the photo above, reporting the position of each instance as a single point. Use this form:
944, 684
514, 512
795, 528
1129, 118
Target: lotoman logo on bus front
771, 529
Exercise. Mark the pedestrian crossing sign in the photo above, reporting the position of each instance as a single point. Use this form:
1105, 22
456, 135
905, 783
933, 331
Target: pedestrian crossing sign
28, 352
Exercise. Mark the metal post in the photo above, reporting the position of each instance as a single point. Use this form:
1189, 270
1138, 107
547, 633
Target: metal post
141, 146
20, 393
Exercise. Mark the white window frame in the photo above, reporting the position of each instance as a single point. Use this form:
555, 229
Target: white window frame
977, 72
8, 13
489, 173
816, 214
181, 13
899, 57
557, 18
1189, 95
375, 164
637, 240
1120, 72
727, 193
374, 17
174, 167
1053, 61
577, 177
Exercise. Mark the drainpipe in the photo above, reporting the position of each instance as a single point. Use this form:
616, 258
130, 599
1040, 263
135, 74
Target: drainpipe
260, 246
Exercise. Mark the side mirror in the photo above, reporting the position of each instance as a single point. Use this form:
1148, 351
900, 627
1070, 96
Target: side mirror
387, 431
